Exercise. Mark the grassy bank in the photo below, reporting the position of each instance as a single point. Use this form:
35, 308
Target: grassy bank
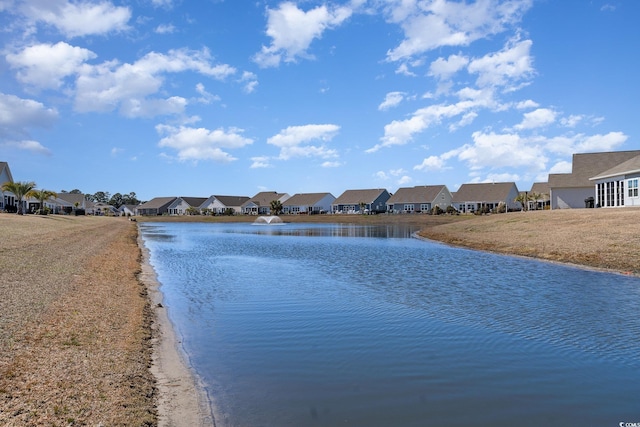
75, 325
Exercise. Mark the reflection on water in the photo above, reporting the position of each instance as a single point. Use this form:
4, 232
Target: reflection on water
296, 325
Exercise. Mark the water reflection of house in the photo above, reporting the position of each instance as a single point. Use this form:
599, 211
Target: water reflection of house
308, 203
472, 198
421, 198
362, 201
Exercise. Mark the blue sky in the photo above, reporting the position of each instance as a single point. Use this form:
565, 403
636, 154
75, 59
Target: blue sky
233, 97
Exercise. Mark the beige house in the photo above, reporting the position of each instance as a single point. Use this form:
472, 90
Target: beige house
260, 204
308, 203
471, 198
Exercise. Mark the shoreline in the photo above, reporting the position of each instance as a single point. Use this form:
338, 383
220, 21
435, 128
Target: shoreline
182, 398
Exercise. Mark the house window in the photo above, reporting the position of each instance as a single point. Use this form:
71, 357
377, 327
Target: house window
408, 207
632, 186
425, 207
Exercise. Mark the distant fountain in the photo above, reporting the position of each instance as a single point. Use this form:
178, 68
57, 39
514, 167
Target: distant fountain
268, 220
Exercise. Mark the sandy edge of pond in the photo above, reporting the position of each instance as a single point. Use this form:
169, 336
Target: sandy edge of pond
182, 397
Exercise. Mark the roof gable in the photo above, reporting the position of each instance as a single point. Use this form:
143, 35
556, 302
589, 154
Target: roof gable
630, 166
265, 198
157, 203
484, 192
417, 194
588, 165
4, 169
306, 199
355, 197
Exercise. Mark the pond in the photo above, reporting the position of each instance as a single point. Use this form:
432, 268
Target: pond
328, 324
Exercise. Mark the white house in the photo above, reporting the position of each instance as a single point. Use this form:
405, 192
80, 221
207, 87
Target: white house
308, 203
618, 186
260, 204
221, 204
576, 189
6, 198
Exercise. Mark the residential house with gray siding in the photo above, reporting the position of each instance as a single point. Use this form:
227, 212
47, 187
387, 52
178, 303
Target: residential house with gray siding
155, 206
421, 198
361, 201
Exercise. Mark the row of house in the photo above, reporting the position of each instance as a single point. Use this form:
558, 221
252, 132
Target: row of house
607, 179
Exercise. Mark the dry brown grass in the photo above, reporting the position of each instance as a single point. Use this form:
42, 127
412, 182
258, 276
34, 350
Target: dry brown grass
599, 238
76, 324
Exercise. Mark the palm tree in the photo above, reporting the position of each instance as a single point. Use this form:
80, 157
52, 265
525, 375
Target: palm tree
523, 198
41, 196
19, 189
276, 207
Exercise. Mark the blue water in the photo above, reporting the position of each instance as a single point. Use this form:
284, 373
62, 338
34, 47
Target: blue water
325, 325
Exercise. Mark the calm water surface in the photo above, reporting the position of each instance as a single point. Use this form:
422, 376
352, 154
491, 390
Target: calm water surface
325, 325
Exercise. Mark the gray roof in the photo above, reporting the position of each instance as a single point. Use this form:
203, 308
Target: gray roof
306, 199
355, 197
194, 201
628, 167
157, 203
588, 165
417, 194
232, 200
5, 166
484, 192
540, 188
71, 198
264, 198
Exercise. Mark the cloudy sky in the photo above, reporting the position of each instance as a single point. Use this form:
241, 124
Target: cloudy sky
233, 97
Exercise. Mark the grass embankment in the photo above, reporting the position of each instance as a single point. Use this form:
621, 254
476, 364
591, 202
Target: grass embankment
598, 238
75, 323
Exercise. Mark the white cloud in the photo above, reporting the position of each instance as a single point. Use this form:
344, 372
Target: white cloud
537, 118
205, 97
393, 99
165, 29
82, 18
260, 162
572, 120
491, 150
127, 87
18, 116
250, 81
202, 144
27, 145
561, 167
293, 141
329, 164
434, 24
504, 68
431, 163
523, 105
404, 180
46, 65
581, 143
443, 68
292, 31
